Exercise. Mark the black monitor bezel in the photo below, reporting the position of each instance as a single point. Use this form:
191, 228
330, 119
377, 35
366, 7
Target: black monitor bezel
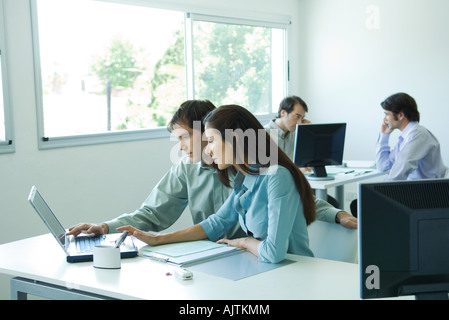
397, 258
307, 135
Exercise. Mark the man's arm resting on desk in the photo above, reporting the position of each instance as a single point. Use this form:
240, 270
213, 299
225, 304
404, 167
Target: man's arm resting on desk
346, 220
328, 213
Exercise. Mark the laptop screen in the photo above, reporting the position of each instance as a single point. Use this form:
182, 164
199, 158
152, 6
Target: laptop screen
47, 215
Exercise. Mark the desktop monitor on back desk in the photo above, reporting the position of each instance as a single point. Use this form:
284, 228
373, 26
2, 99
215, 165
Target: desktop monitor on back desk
319, 145
404, 239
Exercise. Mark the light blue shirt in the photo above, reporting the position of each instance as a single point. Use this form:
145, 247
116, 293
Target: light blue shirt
194, 185
269, 208
417, 155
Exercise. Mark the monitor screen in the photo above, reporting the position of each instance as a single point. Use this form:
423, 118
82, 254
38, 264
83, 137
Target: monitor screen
404, 239
319, 145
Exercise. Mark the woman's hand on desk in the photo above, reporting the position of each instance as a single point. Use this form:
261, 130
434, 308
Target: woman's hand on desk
249, 244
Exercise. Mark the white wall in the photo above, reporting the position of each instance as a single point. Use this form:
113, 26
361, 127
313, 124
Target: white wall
342, 69
92, 183
349, 69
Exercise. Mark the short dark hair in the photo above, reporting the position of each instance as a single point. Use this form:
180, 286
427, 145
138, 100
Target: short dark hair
288, 103
402, 102
190, 111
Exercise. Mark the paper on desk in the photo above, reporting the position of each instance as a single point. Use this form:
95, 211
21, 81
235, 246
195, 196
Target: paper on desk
183, 248
184, 253
360, 164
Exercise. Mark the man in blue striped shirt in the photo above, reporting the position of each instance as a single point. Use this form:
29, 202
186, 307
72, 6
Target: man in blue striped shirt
417, 154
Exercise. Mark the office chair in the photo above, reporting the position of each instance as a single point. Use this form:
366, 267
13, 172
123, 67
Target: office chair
333, 242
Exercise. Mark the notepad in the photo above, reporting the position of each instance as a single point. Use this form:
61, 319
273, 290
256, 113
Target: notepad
184, 248
187, 253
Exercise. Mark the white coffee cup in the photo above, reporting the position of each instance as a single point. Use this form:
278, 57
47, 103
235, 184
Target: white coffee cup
107, 257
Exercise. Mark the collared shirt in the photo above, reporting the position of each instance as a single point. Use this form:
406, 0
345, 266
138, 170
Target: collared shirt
285, 140
197, 186
269, 208
324, 210
417, 155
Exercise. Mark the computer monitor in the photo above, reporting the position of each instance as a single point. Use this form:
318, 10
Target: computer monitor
404, 239
319, 145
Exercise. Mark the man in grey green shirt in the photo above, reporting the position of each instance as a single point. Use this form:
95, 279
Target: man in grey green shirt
292, 111
190, 182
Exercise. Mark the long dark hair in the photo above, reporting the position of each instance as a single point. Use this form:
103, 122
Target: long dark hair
234, 120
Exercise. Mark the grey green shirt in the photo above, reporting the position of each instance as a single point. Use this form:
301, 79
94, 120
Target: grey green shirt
285, 140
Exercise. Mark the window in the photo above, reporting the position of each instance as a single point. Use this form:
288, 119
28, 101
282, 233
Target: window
2, 109
118, 68
110, 72
238, 62
6, 132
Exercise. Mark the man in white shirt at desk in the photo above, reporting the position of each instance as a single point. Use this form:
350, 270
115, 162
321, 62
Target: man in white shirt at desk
417, 154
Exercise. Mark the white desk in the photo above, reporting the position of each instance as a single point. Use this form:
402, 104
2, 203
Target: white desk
140, 278
342, 175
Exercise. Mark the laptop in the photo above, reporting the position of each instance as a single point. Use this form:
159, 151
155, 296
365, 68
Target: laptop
80, 248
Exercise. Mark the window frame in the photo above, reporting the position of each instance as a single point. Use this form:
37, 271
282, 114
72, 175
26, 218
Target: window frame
7, 145
191, 17
274, 21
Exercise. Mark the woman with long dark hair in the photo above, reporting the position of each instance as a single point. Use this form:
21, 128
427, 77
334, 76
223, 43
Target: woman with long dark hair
272, 199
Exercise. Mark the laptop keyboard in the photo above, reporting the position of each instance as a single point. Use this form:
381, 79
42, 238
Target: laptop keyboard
87, 244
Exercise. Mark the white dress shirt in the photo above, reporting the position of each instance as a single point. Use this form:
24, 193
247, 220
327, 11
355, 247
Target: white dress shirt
417, 155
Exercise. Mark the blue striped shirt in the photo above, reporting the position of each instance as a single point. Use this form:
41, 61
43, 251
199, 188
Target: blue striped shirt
417, 155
